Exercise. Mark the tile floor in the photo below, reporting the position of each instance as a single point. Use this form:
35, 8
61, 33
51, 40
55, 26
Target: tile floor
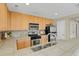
62, 48
7, 47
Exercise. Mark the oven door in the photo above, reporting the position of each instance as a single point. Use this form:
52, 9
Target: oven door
35, 42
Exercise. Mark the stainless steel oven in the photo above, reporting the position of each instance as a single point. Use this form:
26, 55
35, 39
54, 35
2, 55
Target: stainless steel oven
35, 42
34, 33
33, 29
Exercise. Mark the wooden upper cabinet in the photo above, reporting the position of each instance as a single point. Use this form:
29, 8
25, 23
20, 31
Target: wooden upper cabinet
21, 21
18, 21
3, 17
42, 24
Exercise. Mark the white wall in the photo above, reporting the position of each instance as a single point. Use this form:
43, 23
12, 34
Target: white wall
74, 29
67, 28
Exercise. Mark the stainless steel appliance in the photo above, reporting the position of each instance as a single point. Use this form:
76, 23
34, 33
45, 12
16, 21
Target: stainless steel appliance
52, 38
34, 34
50, 29
52, 33
35, 42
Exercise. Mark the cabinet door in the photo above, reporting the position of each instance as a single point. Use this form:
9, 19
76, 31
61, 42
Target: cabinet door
61, 29
22, 43
18, 22
42, 24
44, 40
3, 17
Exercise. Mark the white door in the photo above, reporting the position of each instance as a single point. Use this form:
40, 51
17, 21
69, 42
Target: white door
73, 29
61, 29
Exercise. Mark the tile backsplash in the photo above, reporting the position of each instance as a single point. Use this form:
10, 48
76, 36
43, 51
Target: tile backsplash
24, 34
20, 34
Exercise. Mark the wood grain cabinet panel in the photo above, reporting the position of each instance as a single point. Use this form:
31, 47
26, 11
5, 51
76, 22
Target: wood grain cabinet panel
44, 39
22, 43
19, 44
27, 43
18, 21
3, 17
21, 21
42, 24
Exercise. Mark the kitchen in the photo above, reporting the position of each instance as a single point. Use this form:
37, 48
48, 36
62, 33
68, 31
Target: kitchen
25, 30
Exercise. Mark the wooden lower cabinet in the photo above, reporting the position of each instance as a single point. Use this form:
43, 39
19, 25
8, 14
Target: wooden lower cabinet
44, 40
22, 43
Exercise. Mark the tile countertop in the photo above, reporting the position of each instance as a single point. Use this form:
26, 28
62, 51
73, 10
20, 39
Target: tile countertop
19, 38
26, 37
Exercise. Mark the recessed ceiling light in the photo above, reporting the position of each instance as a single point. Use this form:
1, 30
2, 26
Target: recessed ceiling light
56, 14
27, 3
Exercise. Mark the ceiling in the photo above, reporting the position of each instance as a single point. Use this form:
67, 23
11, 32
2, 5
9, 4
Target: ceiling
48, 10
